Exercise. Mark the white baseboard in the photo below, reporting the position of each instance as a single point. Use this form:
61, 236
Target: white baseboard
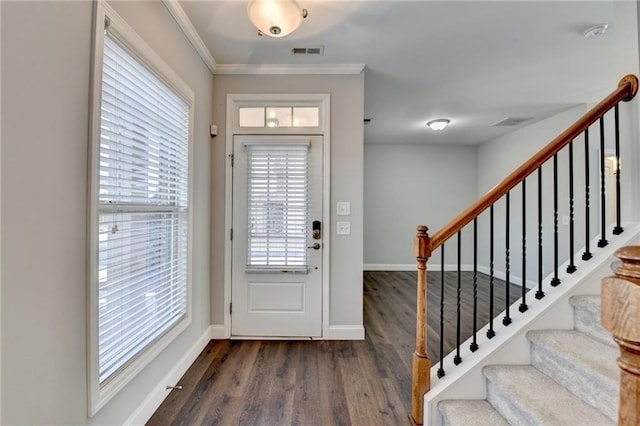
448, 267
412, 267
218, 332
513, 279
143, 413
345, 332
389, 267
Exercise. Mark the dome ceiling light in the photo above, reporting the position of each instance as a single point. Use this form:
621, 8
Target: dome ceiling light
438, 124
595, 31
275, 18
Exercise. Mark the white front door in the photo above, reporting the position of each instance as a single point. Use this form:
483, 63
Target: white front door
277, 245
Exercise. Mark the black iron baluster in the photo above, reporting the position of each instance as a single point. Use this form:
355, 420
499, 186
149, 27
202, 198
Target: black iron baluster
490, 332
539, 292
507, 318
441, 372
456, 359
523, 305
474, 344
571, 268
587, 253
555, 280
603, 200
618, 229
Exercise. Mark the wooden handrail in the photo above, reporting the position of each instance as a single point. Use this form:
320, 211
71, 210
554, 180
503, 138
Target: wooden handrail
627, 89
621, 316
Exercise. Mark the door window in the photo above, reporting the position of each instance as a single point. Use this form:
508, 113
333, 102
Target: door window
277, 205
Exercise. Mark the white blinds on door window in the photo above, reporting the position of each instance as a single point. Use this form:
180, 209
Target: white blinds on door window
277, 206
143, 195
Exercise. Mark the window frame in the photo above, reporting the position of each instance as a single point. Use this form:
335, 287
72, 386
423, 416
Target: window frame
98, 395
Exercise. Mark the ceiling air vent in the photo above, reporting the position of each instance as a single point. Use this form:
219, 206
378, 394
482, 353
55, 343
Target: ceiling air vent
306, 51
511, 121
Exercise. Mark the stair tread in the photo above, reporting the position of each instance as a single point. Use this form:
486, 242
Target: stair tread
585, 301
586, 315
470, 412
522, 394
598, 358
580, 363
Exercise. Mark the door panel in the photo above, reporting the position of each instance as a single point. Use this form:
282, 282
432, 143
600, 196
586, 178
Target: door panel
276, 270
276, 297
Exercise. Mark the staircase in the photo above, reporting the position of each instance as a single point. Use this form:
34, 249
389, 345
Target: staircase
572, 379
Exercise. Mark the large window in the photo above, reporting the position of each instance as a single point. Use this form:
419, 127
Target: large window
140, 208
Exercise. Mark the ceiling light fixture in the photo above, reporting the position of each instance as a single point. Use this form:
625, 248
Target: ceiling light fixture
438, 124
276, 18
595, 31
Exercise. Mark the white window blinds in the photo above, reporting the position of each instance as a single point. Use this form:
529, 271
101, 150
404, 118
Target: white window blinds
142, 209
278, 205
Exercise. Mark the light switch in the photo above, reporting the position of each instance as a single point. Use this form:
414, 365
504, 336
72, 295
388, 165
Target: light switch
343, 228
344, 208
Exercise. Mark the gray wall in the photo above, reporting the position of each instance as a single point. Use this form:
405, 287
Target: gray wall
347, 109
501, 156
410, 185
46, 58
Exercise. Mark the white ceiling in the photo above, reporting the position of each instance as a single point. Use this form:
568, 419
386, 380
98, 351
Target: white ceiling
474, 62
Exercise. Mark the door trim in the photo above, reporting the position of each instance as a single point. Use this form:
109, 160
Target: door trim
234, 102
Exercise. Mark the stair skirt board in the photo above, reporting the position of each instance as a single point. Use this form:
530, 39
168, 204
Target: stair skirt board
510, 344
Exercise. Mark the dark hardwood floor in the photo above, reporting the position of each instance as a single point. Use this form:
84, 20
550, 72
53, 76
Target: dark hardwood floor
366, 382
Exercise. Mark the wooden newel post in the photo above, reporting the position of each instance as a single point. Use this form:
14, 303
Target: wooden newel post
621, 316
421, 362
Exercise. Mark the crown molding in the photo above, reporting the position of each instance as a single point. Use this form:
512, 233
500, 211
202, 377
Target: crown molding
185, 24
183, 21
289, 69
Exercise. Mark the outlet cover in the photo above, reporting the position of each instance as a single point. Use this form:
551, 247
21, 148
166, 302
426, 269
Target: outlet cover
343, 228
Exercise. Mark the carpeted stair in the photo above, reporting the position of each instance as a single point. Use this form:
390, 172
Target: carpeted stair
573, 379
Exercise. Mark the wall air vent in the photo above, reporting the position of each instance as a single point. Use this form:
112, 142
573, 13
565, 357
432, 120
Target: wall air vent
308, 51
511, 121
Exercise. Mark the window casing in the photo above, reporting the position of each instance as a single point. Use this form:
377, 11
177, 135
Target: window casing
139, 227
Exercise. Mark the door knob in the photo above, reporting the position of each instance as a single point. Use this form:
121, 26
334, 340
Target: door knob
316, 246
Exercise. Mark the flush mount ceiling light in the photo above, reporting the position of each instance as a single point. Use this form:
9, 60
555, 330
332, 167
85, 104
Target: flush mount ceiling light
438, 124
275, 18
595, 31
